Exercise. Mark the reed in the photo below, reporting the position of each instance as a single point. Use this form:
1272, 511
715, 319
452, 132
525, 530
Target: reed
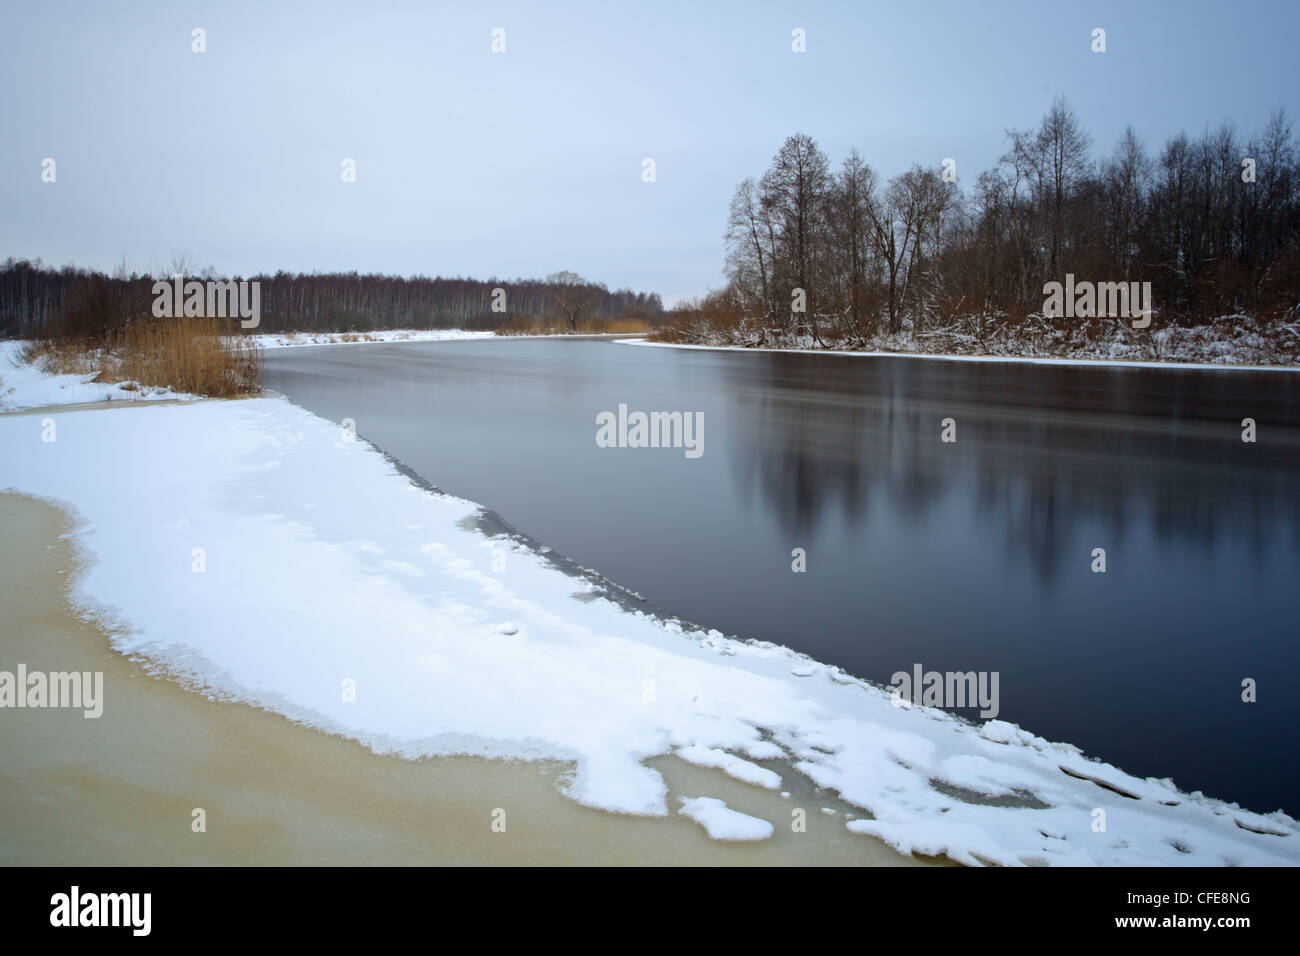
198, 356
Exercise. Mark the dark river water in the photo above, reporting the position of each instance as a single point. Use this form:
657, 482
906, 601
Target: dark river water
970, 555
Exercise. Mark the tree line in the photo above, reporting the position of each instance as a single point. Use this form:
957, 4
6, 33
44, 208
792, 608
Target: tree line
36, 300
1212, 222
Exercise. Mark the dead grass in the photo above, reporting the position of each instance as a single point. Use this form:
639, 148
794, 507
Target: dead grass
60, 357
198, 356
620, 326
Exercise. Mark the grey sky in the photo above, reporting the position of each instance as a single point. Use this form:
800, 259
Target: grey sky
526, 162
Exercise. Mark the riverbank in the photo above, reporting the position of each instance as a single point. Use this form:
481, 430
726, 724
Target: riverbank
1224, 341
121, 790
284, 340
955, 357
259, 554
26, 385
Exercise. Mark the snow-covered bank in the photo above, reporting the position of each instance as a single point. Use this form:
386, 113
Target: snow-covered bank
1225, 341
1120, 363
24, 385
283, 340
335, 591
28, 386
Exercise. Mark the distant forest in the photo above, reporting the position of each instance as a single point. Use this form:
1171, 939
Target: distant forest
1212, 222
929, 260
36, 301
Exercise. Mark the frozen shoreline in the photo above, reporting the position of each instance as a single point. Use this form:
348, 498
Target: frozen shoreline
353, 573
119, 790
22, 386
288, 340
278, 340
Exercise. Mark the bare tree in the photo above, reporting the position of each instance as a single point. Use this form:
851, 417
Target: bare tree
750, 246
1062, 150
573, 299
910, 210
795, 189
1126, 178
851, 225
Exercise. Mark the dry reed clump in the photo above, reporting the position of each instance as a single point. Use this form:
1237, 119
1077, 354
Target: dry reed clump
198, 356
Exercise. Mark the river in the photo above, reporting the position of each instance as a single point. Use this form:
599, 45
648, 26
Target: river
976, 554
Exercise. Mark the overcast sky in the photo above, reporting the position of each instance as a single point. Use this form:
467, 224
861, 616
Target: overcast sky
530, 161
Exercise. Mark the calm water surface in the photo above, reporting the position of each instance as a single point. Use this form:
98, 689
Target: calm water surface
974, 555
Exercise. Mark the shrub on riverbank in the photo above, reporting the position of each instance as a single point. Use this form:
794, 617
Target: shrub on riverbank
198, 356
521, 325
1229, 339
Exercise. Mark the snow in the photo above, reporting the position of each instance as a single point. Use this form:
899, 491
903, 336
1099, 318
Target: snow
327, 569
285, 340
1117, 362
26, 386
731, 765
723, 823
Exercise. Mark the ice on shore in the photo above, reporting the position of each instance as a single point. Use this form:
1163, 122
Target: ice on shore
247, 549
282, 340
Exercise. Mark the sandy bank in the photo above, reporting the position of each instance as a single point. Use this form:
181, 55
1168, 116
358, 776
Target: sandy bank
120, 790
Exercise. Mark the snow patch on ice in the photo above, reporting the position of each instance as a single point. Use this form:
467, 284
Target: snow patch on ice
731, 765
723, 823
